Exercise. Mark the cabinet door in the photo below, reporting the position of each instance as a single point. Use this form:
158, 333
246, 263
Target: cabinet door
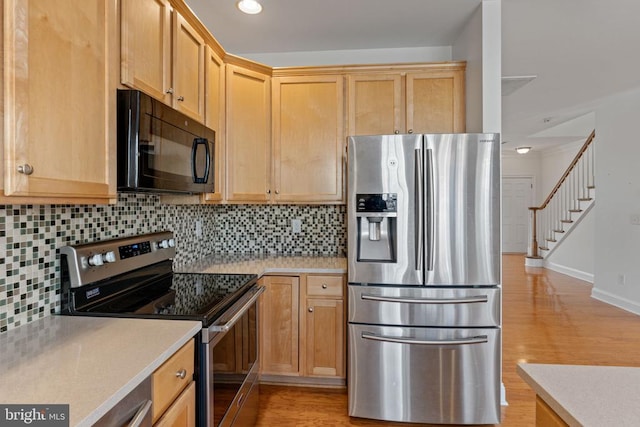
375, 104
325, 346
279, 325
308, 138
146, 47
248, 135
59, 112
182, 413
435, 102
188, 69
214, 116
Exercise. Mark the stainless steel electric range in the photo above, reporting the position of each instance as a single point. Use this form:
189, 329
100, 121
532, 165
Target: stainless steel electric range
133, 277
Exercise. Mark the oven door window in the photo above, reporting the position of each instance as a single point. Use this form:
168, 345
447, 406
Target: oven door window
233, 358
173, 158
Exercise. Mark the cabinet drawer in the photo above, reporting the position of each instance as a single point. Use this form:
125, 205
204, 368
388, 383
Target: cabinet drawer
171, 378
326, 286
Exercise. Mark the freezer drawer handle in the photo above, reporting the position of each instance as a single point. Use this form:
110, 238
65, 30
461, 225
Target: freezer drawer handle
467, 300
480, 339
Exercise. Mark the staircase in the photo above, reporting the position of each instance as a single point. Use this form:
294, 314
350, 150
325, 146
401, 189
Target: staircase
569, 201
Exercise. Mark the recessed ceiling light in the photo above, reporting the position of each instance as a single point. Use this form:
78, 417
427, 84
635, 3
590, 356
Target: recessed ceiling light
251, 7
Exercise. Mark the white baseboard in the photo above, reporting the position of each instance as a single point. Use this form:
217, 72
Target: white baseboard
617, 301
503, 395
587, 277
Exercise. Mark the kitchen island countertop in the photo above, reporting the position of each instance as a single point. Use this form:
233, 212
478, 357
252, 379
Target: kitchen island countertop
587, 395
90, 363
266, 264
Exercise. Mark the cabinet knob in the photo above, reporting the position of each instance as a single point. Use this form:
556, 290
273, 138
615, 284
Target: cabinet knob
277, 191
324, 286
181, 98
310, 309
182, 373
396, 131
170, 90
410, 130
26, 169
268, 191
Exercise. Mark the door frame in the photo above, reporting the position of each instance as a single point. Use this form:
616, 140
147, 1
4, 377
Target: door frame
531, 203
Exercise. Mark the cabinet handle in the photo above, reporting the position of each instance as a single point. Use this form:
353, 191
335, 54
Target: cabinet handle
310, 309
324, 286
181, 98
182, 374
26, 169
410, 130
170, 90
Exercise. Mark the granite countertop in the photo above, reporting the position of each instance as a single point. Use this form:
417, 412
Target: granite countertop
90, 363
266, 264
587, 395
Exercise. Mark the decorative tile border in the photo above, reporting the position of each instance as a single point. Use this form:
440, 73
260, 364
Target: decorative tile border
31, 235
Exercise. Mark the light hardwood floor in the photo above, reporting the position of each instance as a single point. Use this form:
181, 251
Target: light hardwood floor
547, 318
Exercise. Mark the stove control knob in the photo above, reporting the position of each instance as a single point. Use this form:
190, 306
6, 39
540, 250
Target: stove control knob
163, 244
172, 243
95, 260
109, 257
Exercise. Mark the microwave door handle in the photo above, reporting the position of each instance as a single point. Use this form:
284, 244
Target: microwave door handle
194, 151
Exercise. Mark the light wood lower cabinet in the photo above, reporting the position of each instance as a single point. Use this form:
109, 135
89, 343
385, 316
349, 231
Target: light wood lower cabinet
547, 417
303, 329
173, 389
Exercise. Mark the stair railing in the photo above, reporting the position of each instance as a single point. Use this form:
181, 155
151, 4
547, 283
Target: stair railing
549, 219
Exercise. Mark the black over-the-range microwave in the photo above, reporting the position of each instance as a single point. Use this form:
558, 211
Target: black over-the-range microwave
160, 149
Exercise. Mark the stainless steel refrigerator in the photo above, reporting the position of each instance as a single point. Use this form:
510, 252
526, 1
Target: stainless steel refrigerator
424, 268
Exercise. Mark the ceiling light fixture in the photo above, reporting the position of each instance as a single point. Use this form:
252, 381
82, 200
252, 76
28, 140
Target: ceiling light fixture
523, 150
250, 7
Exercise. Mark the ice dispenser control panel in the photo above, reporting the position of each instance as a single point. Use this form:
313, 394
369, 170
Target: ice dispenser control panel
383, 202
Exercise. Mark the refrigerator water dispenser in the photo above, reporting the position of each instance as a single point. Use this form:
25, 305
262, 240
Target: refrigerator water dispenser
376, 217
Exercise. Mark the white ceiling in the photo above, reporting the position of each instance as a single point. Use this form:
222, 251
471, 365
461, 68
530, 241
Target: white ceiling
580, 51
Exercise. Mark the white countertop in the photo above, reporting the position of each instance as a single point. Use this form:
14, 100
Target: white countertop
90, 363
266, 264
587, 395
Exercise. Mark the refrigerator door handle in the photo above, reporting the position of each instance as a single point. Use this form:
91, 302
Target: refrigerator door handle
480, 339
430, 237
418, 209
465, 300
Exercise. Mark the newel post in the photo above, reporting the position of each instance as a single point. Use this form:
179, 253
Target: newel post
533, 244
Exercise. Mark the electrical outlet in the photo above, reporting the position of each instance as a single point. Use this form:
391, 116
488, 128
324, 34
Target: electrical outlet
621, 279
635, 219
296, 226
198, 228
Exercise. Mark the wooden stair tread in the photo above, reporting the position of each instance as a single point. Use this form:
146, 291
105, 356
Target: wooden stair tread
551, 240
591, 187
575, 210
558, 231
585, 199
543, 248
566, 221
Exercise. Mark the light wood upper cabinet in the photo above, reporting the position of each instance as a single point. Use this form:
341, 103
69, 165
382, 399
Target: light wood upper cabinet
214, 82
146, 47
162, 55
188, 69
375, 104
248, 141
59, 111
435, 102
403, 101
308, 138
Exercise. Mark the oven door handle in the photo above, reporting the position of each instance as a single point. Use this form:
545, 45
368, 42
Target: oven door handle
237, 310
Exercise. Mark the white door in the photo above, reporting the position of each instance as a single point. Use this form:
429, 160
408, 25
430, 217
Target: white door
517, 197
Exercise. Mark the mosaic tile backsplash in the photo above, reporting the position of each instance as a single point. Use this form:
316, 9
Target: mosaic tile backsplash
31, 235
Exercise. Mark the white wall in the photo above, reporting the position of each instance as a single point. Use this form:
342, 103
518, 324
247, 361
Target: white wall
554, 163
480, 44
575, 255
617, 241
